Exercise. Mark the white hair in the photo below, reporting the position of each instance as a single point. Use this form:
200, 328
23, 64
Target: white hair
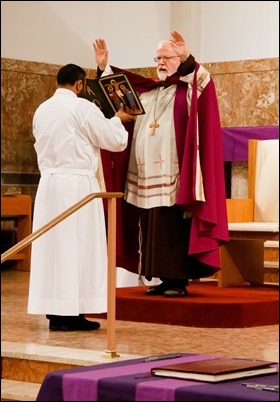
163, 43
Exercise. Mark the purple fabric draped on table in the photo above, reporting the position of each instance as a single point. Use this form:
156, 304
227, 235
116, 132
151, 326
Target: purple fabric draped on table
235, 140
130, 380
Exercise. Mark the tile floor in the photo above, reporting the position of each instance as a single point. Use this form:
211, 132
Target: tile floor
139, 339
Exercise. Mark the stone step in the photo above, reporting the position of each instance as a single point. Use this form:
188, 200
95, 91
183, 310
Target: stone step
271, 272
30, 363
271, 250
271, 264
29, 370
271, 261
12, 390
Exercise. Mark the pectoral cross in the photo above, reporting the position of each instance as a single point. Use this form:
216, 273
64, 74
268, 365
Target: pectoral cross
153, 126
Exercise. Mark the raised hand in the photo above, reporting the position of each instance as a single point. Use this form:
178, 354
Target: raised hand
101, 53
179, 45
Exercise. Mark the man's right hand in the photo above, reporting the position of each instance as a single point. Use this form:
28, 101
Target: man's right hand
101, 53
125, 117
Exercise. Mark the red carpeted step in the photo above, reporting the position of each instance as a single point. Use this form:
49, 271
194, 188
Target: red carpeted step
206, 306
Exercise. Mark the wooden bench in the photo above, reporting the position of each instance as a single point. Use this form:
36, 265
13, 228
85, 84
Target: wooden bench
18, 208
252, 220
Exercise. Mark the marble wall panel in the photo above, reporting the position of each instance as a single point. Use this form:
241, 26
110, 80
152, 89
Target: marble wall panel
224, 90
239, 180
254, 99
247, 91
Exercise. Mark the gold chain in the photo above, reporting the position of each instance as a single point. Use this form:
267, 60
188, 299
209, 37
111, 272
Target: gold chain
154, 125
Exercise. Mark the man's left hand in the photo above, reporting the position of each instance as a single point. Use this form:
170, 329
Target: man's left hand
179, 45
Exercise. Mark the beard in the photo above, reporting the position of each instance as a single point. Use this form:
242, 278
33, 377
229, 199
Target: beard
163, 73
82, 92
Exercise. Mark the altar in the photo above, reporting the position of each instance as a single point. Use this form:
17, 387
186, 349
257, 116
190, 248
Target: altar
131, 380
235, 146
235, 140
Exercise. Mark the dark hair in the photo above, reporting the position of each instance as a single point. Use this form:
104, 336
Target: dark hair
69, 74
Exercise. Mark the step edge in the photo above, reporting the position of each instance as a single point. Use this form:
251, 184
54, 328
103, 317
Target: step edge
26, 391
271, 264
58, 354
271, 243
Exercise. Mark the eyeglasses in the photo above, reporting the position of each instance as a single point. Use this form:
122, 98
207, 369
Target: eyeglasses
164, 58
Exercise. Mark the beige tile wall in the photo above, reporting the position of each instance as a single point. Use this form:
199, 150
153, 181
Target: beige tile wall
248, 95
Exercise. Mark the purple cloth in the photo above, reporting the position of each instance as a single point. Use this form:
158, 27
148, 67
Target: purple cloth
86, 386
130, 380
235, 140
230, 391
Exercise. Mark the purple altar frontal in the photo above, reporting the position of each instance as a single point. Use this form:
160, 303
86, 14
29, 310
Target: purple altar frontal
235, 140
130, 380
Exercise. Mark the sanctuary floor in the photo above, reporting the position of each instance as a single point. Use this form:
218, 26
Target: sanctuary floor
133, 338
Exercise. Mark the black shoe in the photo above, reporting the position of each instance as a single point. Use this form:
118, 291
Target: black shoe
156, 290
71, 323
54, 327
55, 321
176, 292
82, 326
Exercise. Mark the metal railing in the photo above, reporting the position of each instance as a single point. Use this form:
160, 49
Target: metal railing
111, 246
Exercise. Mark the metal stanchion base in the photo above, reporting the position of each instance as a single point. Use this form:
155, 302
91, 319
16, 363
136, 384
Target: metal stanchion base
111, 353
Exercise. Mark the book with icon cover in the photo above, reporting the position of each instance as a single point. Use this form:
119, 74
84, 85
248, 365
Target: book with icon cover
110, 91
216, 369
